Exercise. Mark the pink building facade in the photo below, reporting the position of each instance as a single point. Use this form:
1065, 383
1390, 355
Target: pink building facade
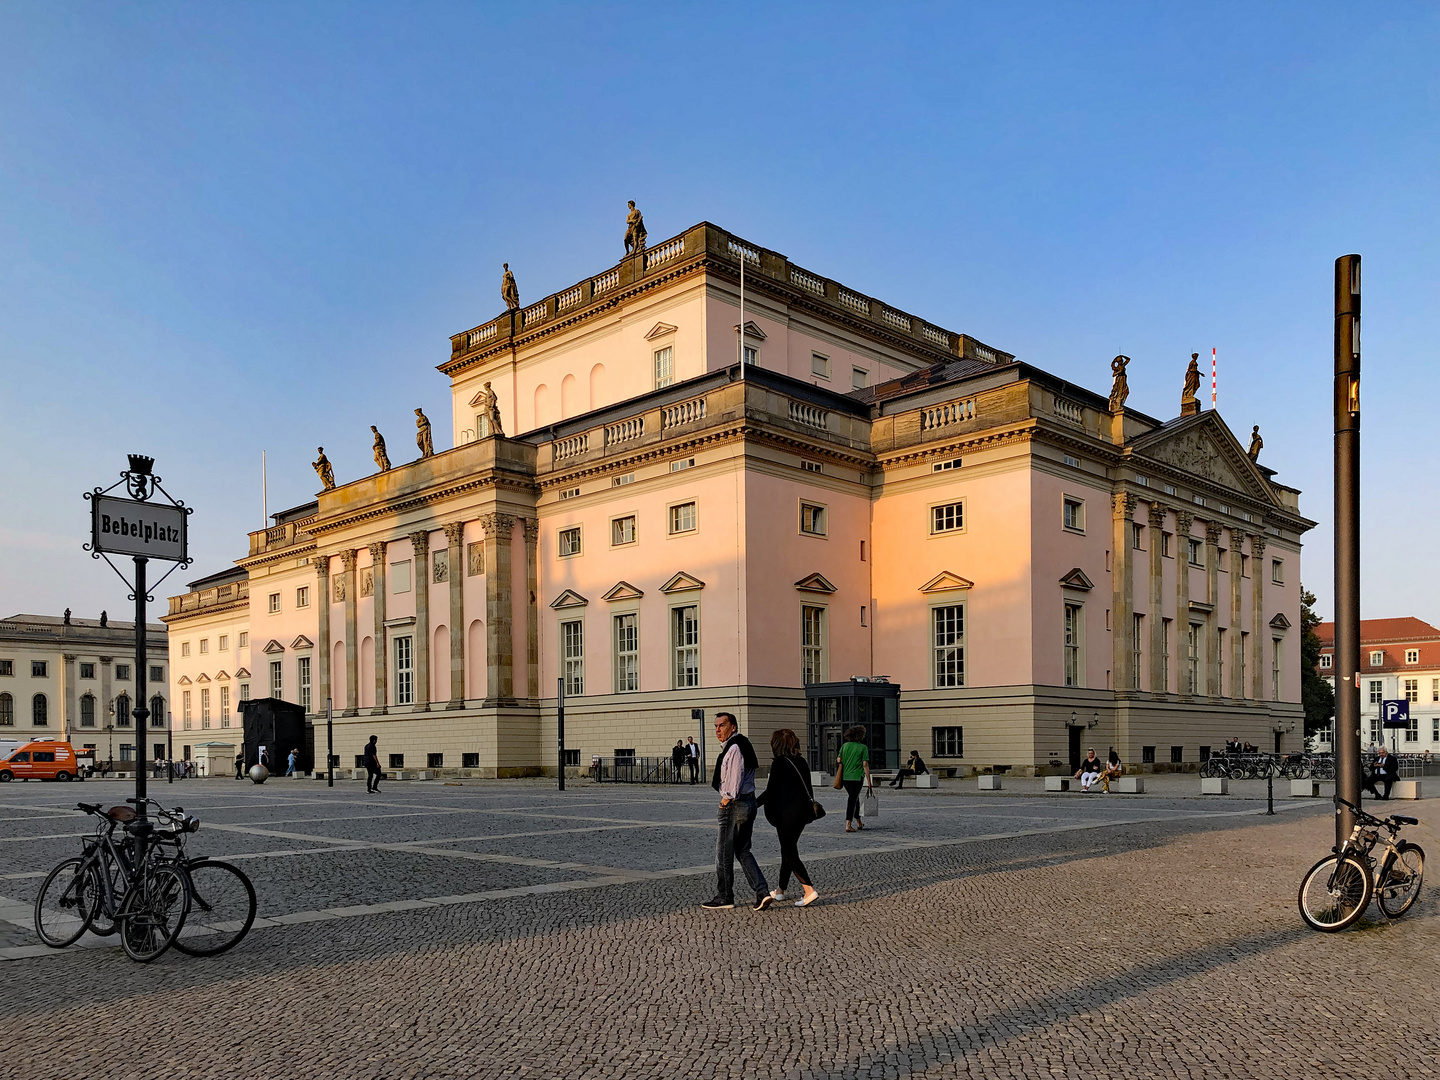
868, 496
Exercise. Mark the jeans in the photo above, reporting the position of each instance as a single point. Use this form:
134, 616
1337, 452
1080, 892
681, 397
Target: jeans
694, 764
736, 823
790, 857
852, 804
372, 777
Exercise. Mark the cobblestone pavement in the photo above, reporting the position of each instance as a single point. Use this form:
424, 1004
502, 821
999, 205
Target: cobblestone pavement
505, 929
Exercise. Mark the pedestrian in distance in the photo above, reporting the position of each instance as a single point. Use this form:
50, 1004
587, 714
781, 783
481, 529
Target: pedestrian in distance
677, 759
293, 763
734, 779
1113, 770
1384, 770
240, 766
372, 765
1089, 771
852, 769
914, 767
790, 805
692, 751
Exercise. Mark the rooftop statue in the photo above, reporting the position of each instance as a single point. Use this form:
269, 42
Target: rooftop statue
509, 291
634, 230
1120, 388
490, 410
1189, 403
1256, 443
322, 466
382, 459
422, 435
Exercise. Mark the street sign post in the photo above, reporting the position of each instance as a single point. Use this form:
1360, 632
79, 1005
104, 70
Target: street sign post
1395, 715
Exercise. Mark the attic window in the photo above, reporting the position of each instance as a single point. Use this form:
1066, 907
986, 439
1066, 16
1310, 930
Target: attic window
943, 466
1143, 481
621, 481
570, 493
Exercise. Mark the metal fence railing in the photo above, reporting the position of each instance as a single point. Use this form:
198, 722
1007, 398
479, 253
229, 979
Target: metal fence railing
639, 770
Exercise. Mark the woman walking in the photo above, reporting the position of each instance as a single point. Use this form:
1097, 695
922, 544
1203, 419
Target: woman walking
853, 769
789, 803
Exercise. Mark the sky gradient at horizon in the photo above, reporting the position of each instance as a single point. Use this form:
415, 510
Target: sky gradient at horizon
231, 228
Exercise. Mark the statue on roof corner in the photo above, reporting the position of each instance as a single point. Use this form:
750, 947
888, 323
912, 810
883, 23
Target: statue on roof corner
422, 435
634, 230
382, 459
1189, 403
1120, 389
509, 291
1256, 443
490, 412
322, 466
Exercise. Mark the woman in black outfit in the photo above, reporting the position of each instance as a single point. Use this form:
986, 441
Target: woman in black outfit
789, 804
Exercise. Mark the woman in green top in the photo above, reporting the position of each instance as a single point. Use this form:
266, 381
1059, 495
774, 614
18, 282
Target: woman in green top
853, 768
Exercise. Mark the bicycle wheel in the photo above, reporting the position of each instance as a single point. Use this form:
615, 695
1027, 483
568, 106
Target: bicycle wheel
222, 908
1401, 888
1333, 896
153, 913
63, 905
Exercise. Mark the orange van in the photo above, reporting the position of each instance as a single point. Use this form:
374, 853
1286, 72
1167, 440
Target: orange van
43, 759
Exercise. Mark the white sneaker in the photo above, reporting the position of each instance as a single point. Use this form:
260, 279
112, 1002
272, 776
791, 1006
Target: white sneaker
808, 899
778, 895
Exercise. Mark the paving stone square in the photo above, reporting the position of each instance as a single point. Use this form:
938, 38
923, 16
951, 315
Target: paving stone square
496, 929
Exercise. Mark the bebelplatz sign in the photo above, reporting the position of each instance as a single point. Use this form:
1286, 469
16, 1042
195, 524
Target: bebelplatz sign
127, 527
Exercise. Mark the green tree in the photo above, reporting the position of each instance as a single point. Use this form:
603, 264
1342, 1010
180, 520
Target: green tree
1315, 692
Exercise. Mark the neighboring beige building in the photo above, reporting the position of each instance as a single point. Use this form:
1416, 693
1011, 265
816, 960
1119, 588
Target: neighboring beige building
868, 495
1399, 661
209, 672
74, 680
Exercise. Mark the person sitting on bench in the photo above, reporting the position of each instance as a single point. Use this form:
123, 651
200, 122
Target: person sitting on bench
913, 767
1113, 771
1089, 771
1383, 771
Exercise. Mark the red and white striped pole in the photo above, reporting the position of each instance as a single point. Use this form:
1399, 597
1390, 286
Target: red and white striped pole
1213, 395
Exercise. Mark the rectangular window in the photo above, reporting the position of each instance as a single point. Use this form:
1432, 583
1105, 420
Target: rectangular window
122, 672
1240, 690
1275, 670
947, 742
1412, 690
1147, 755
1165, 544
682, 518
572, 656
751, 355
302, 674
945, 466
244, 691
685, 640
7, 668
302, 596
812, 644
1377, 691
621, 481
186, 718
1177, 755
244, 640
157, 674
1165, 625
627, 653
470, 761
224, 642
1196, 551
1137, 652
682, 464
204, 646
87, 671
1220, 661
947, 518
1137, 536
400, 577
1377, 659
812, 519
1244, 566
1435, 689
664, 367
572, 757
863, 621
204, 706
949, 645
819, 365
274, 603
38, 668
397, 761
435, 761
1074, 635
404, 670
1074, 514
1192, 659
1277, 571
622, 530
1412, 656
810, 466
859, 378
277, 681
1072, 461
1325, 661
1412, 730
569, 541
224, 706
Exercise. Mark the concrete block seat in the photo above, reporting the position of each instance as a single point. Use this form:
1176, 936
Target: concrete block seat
927, 782
1215, 785
1128, 785
1057, 783
990, 781
1304, 789
1405, 789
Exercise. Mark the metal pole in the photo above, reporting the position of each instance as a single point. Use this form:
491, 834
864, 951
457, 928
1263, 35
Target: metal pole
170, 752
329, 746
560, 724
1347, 543
1270, 792
140, 712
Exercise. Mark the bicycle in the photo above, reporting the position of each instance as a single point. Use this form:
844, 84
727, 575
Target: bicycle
220, 893
126, 887
1338, 888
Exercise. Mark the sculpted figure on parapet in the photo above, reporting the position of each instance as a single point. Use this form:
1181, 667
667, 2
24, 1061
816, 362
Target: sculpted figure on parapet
1120, 388
1192, 383
490, 410
322, 467
422, 435
382, 459
509, 291
634, 230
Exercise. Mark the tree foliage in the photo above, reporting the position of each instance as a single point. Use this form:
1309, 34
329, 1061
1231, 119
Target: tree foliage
1316, 692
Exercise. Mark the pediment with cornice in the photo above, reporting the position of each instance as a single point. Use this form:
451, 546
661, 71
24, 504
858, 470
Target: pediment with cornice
623, 590
945, 581
682, 582
816, 582
273, 647
1206, 448
568, 599
243, 673
660, 329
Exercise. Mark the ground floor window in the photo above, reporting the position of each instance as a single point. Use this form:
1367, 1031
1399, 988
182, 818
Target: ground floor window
1177, 755
469, 761
947, 742
1147, 755
87, 711
434, 761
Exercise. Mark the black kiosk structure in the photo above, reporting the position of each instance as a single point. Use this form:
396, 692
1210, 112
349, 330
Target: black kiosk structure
832, 708
276, 727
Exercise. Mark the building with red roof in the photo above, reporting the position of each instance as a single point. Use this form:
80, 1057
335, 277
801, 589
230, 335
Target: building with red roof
1399, 661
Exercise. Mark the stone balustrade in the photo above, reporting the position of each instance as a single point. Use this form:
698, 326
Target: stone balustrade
572, 446
897, 319
570, 297
809, 415
212, 597
855, 301
625, 430
807, 280
686, 412
671, 249
281, 536
1069, 411
952, 412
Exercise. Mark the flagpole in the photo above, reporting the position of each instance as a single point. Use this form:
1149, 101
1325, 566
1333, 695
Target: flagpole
1213, 395
742, 307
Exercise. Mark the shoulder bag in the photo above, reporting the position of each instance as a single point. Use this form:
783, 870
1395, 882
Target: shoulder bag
839, 781
816, 810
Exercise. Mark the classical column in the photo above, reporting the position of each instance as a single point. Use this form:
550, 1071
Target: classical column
531, 529
1122, 674
352, 633
1237, 620
1258, 632
325, 599
1183, 521
72, 704
420, 542
499, 605
1159, 674
382, 668
455, 538
1212, 621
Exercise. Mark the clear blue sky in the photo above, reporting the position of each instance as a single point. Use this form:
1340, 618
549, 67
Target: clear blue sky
228, 227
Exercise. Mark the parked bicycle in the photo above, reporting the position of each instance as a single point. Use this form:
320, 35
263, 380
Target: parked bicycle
1339, 888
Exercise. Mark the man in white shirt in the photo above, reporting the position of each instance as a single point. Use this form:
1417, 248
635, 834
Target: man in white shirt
735, 781
693, 760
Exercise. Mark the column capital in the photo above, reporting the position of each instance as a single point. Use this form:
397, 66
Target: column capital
347, 560
1157, 515
420, 542
1257, 544
532, 530
69, 657
1183, 521
106, 659
377, 552
1213, 529
1237, 538
497, 526
1124, 503
322, 565
454, 532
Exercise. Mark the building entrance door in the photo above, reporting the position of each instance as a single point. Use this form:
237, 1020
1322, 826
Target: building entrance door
1074, 733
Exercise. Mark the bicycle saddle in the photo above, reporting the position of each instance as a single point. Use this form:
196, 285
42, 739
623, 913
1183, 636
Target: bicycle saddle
1404, 820
88, 807
122, 814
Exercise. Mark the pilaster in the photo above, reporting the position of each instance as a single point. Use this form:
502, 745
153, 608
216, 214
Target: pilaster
71, 717
382, 667
1122, 674
1258, 627
1183, 521
531, 528
1212, 621
420, 542
499, 604
352, 633
455, 539
1237, 620
322, 635
1159, 672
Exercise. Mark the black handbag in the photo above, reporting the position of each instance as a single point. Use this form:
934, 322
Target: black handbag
816, 810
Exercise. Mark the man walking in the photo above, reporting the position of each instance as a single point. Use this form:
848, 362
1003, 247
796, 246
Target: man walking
240, 766
693, 759
677, 758
735, 781
372, 765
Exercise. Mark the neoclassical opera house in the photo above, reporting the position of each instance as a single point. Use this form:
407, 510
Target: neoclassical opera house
902, 525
